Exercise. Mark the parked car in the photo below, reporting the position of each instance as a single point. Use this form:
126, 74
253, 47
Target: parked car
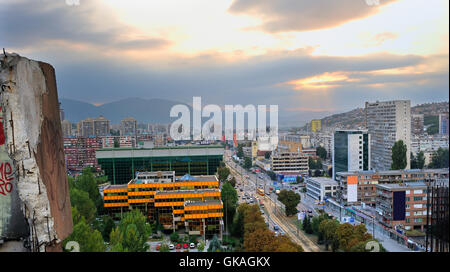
158, 246
178, 246
275, 227
171, 247
185, 246
192, 245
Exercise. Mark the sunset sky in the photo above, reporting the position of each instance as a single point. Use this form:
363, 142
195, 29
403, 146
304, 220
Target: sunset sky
314, 56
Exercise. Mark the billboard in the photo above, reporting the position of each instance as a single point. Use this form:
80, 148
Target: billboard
352, 188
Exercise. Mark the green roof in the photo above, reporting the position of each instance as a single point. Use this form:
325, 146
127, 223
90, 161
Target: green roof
159, 148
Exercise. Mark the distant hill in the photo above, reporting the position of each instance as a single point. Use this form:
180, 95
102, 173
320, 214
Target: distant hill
355, 118
143, 110
157, 111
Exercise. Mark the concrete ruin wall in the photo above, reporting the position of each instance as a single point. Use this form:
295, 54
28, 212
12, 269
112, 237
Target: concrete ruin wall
34, 193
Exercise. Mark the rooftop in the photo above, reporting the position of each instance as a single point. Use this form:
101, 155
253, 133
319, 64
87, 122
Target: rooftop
401, 186
323, 180
394, 172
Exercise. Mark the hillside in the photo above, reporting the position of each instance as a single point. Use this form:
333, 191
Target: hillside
355, 118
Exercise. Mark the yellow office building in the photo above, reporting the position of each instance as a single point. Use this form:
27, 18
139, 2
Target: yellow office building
193, 203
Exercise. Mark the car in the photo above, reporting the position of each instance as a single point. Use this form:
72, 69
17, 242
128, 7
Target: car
185, 246
158, 246
262, 212
276, 233
275, 227
282, 233
171, 247
192, 245
178, 246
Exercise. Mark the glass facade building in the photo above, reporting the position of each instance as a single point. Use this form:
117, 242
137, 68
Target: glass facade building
351, 151
121, 164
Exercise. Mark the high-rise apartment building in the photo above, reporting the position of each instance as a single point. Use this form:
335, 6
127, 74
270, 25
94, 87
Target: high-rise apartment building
417, 124
443, 123
128, 126
351, 151
94, 127
66, 128
388, 122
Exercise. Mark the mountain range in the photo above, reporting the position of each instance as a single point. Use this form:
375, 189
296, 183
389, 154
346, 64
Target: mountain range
158, 111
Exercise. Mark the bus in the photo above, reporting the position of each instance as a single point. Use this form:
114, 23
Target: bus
260, 191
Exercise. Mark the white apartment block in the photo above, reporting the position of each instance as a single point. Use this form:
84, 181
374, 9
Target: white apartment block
284, 161
319, 188
388, 122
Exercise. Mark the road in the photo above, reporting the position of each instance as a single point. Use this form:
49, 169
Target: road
274, 215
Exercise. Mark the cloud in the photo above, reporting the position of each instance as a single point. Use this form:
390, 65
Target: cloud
304, 15
50, 23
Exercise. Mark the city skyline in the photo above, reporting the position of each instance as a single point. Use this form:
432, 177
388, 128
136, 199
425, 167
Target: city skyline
252, 53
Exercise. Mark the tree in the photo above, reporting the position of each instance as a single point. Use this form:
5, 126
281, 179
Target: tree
440, 159
105, 225
223, 173
272, 175
132, 232
315, 222
348, 236
89, 240
321, 152
317, 173
413, 161
87, 182
174, 237
116, 143
229, 198
306, 225
421, 160
232, 181
201, 246
240, 152
247, 163
361, 246
215, 245
328, 229
164, 248
260, 240
399, 156
290, 199
84, 205
315, 164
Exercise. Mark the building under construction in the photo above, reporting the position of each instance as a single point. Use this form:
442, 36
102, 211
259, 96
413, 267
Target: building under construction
187, 202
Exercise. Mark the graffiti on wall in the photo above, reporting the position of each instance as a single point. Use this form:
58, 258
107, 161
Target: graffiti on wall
5, 178
6, 170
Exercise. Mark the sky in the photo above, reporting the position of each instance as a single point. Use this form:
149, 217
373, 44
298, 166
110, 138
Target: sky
305, 56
